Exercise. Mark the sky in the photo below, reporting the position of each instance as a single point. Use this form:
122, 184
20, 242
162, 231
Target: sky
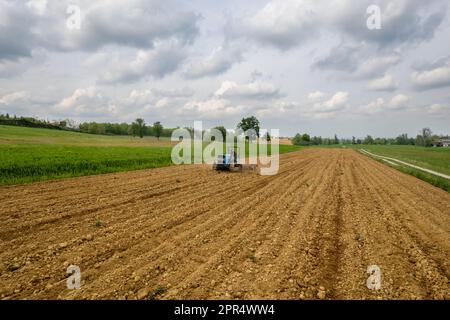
299, 66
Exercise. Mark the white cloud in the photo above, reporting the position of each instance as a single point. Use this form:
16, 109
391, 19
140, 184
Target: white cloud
184, 92
385, 83
279, 109
10, 98
134, 23
148, 98
438, 108
25, 103
316, 95
285, 24
403, 21
325, 109
397, 102
282, 24
159, 62
254, 90
220, 61
336, 102
358, 62
77, 97
39, 6
140, 98
210, 109
87, 102
377, 65
161, 103
435, 75
373, 106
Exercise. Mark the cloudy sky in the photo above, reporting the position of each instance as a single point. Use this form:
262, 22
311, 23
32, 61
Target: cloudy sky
300, 66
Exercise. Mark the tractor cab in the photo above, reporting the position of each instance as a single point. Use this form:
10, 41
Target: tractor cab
229, 161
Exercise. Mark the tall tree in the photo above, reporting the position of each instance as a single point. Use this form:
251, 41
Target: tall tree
133, 129
297, 139
158, 129
336, 140
249, 123
425, 138
368, 140
306, 138
301, 139
223, 131
138, 127
427, 135
402, 139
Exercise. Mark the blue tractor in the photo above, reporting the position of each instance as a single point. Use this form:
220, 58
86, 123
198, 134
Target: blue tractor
229, 161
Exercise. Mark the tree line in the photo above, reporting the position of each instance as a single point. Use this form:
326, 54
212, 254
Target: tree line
425, 138
6, 119
138, 128
306, 140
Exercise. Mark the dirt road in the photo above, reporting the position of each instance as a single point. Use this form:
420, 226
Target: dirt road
309, 232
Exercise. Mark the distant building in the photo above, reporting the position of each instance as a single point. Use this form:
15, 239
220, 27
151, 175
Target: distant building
442, 143
445, 143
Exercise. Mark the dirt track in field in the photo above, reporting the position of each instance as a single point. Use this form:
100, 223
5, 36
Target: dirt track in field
187, 232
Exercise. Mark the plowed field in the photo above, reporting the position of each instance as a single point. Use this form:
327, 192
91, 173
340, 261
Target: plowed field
188, 232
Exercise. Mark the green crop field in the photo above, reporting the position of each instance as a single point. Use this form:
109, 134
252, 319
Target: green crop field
437, 159
22, 135
26, 162
29, 154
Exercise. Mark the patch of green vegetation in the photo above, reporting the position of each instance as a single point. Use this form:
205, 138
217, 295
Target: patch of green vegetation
437, 159
99, 224
287, 148
33, 162
24, 135
427, 177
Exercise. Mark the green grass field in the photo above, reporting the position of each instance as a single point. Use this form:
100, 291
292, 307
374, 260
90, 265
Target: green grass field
437, 159
29, 154
20, 135
27, 163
